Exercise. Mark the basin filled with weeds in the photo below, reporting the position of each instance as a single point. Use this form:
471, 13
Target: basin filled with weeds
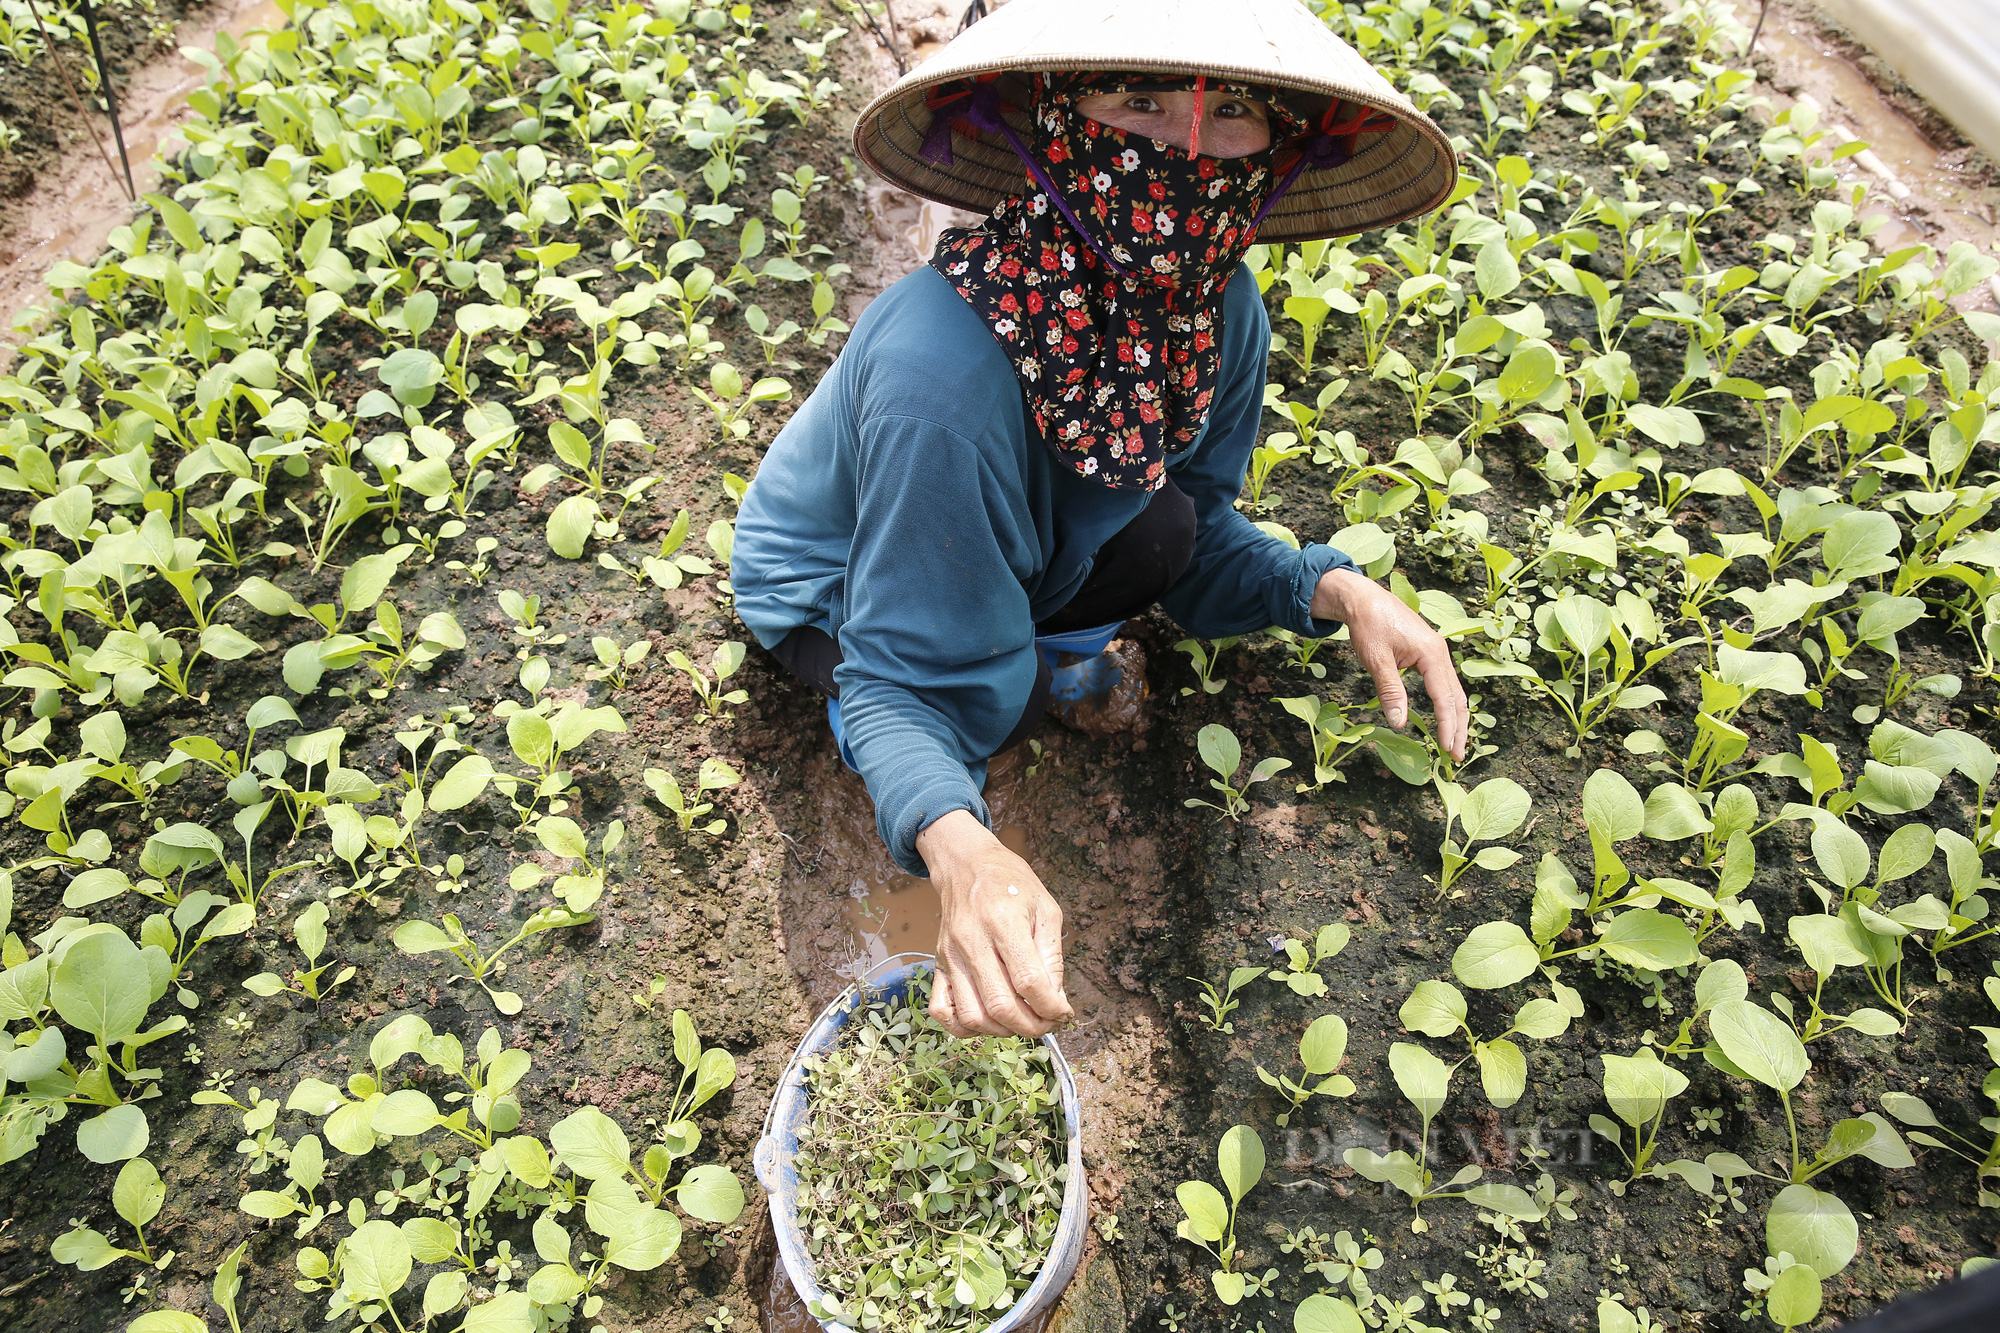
920, 1181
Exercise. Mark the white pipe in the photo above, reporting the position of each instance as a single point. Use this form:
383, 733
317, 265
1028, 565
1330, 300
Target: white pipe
1948, 51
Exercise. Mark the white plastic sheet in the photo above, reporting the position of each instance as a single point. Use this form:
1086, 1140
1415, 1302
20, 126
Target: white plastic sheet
1947, 50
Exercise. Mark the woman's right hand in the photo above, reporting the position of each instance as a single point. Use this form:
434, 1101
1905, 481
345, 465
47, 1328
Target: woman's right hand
999, 953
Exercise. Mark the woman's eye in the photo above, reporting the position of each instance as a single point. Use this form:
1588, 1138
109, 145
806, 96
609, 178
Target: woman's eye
1143, 104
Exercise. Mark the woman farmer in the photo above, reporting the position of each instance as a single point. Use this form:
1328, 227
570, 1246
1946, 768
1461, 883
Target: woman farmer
1044, 431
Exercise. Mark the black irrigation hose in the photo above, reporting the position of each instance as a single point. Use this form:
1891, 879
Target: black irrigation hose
973, 13
1762, 14
62, 69
894, 50
110, 98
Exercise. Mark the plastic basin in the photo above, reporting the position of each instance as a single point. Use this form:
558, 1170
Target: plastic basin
780, 1143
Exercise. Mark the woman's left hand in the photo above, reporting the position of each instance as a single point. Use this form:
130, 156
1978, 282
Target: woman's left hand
1389, 638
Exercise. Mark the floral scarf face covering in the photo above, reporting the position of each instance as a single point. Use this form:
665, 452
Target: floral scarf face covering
1103, 279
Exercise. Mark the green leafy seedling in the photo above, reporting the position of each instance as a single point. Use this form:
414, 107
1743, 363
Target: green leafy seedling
1210, 1220
714, 775
1321, 1050
421, 937
1222, 1003
1223, 753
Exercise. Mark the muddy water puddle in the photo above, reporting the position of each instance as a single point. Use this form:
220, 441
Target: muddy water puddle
74, 209
891, 912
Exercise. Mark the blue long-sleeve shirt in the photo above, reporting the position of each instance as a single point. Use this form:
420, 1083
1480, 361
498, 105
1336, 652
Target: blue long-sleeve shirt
910, 510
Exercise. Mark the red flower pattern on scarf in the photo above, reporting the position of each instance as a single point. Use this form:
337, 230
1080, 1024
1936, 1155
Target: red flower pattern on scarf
1093, 350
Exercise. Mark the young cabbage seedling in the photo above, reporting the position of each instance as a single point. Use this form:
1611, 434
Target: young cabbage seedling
1211, 1220
1205, 661
1321, 1050
136, 1196
1301, 970
1492, 810
709, 689
1221, 1004
1438, 1009
309, 931
714, 775
560, 836
1425, 1081
1221, 751
614, 664
1333, 737
421, 937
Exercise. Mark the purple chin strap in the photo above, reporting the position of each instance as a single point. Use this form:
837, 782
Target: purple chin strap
981, 109
1323, 152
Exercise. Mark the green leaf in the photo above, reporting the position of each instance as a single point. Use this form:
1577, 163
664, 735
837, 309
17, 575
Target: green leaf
1324, 1045
1541, 1019
532, 739
1529, 373
1794, 1297
405, 1114
1905, 852
1509, 1200
1639, 1086
591, 1144
1423, 1078
1842, 854
510, 1311
1759, 1043
1494, 809
1496, 270
1207, 1211
1584, 621
375, 1261
362, 586
1326, 1314
421, 937
1672, 813
1495, 954
138, 1193
561, 836
101, 987
1240, 1158
527, 1159
1812, 1226
637, 1236
412, 375
570, 525
1503, 1071
1826, 942
1612, 807
1435, 1008
1649, 939
711, 1193
1219, 749
432, 1240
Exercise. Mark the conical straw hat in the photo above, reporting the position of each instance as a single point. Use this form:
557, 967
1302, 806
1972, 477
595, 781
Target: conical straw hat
1402, 173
